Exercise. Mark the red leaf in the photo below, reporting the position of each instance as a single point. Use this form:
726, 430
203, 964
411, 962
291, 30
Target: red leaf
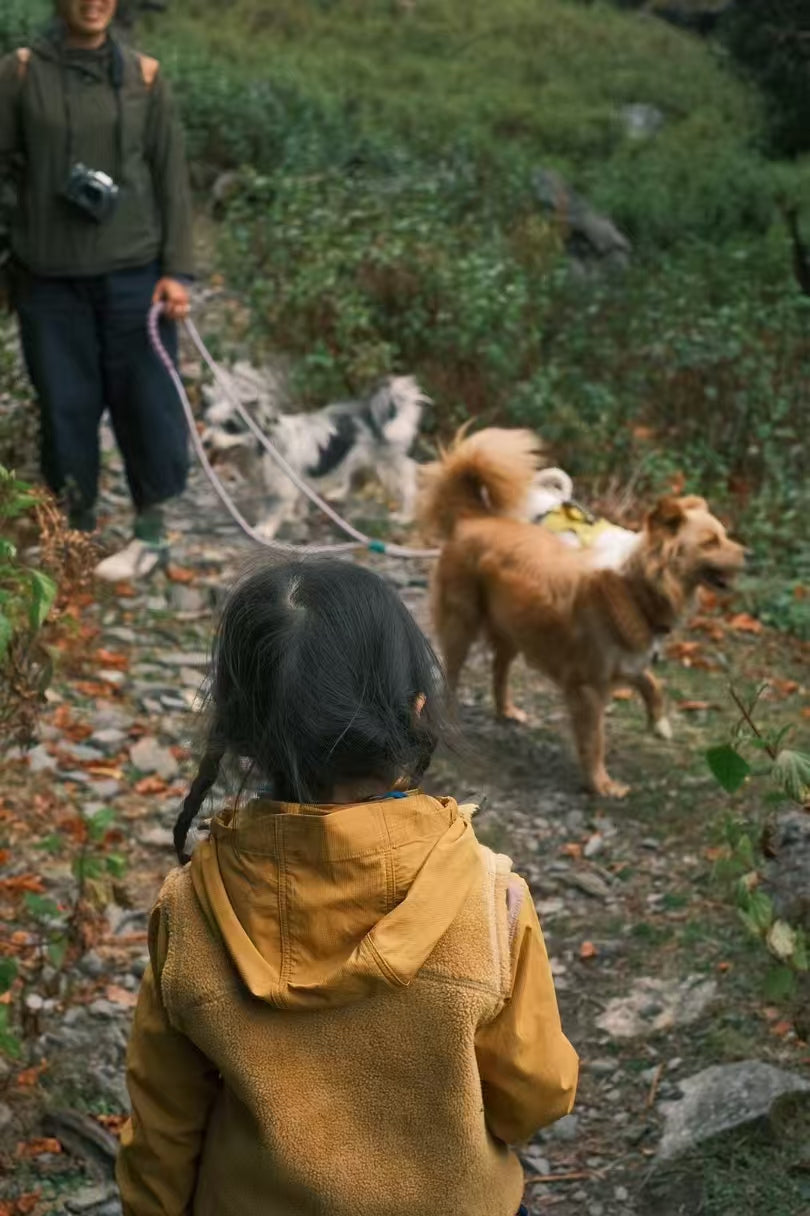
588, 950
121, 996
151, 785
23, 882
178, 574
111, 658
743, 622
691, 706
34, 1148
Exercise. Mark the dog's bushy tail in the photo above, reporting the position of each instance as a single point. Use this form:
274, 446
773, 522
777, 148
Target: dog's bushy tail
489, 473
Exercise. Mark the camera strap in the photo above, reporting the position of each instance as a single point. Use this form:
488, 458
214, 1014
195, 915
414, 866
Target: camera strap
117, 82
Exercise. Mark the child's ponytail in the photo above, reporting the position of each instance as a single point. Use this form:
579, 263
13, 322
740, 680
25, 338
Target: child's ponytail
207, 774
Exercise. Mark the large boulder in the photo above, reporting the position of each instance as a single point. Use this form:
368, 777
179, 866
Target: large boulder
592, 241
726, 1098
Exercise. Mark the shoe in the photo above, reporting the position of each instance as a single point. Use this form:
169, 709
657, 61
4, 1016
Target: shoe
138, 560
82, 519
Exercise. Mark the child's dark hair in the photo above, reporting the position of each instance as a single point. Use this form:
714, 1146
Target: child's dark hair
317, 672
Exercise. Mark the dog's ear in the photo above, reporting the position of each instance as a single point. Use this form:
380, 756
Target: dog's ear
666, 516
693, 502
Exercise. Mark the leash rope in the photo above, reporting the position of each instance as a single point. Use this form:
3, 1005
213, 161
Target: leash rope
359, 540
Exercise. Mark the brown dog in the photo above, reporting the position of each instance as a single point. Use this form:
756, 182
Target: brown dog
588, 629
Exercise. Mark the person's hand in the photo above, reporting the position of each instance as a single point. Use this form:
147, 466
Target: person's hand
175, 298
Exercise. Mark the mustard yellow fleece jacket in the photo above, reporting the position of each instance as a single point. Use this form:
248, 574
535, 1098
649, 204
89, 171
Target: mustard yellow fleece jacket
349, 1012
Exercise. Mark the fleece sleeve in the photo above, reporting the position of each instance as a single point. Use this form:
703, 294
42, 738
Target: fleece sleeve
527, 1066
167, 157
172, 1087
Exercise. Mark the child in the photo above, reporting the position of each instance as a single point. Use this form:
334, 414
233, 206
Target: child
349, 1009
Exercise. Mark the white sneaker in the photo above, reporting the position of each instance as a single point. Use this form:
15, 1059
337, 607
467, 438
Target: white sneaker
138, 560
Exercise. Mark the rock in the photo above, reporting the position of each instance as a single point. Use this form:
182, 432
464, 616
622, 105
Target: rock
108, 788
157, 838
149, 756
657, 1005
565, 1129
180, 658
110, 740
534, 1162
602, 1068
187, 599
90, 1197
641, 121
594, 845
113, 677
723, 1098
41, 761
120, 633
787, 871
590, 883
82, 752
593, 241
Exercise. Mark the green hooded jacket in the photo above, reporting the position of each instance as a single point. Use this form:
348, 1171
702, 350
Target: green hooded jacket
111, 110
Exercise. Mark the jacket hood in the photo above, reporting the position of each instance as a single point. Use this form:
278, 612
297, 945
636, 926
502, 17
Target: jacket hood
323, 906
51, 46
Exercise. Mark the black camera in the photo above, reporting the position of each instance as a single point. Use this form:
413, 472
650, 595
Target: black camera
92, 192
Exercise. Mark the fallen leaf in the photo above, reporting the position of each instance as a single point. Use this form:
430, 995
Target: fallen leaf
693, 706
113, 1123
105, 770
708, 625
622, 694
643, 432
572, 849
806, 711
151, 785
23, 882
782, 688
179, 574
35, 1148
121, 996
112, 658
125, 591
94, 688
21, 1206
724, 966
29, 1076
781, 1028
588, 950
743, 622
4, 857
715, 852
707, 599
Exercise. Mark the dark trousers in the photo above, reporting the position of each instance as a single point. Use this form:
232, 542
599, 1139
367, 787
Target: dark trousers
86, 348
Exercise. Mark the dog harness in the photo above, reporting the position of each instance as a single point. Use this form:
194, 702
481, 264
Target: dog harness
569, 518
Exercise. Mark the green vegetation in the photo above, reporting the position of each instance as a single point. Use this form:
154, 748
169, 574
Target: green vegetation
385, 217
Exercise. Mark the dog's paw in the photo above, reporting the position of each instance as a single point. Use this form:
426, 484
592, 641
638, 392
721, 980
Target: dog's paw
663, 728
511, 713
606, 787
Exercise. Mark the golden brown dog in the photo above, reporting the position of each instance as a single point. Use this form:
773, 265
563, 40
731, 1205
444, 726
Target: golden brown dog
588, 629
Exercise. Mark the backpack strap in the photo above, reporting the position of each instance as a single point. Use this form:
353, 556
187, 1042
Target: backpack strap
23, 54
149, 69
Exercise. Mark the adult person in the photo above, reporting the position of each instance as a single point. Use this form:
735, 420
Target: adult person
101, 228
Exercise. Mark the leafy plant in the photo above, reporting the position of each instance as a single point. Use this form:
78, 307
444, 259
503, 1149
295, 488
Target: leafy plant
26, 598
58, 931
756, 754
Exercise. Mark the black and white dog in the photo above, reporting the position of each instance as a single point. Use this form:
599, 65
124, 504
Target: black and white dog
327, 447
